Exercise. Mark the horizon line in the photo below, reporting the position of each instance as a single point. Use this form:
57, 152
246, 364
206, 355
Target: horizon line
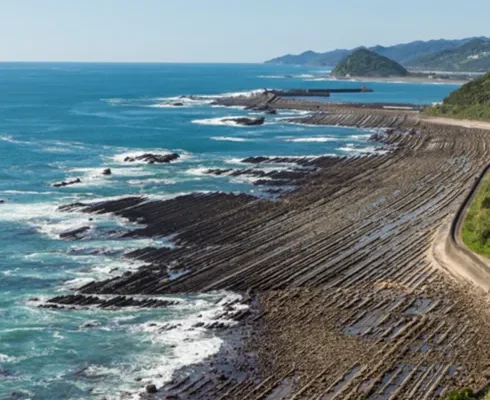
124, 62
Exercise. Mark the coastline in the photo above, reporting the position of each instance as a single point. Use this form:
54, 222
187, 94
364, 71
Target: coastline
338, 266
406, 79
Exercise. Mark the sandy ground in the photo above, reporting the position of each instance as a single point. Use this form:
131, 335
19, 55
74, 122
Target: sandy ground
464, 123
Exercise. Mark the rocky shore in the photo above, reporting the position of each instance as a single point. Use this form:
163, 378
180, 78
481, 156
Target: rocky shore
345, 298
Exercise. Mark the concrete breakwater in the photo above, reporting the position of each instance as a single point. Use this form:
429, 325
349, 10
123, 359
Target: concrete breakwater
317, 92
271, 101
347, 303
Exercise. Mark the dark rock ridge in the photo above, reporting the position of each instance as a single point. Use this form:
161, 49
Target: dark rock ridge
302, 161
154, 158
67, 183
107, 171
246, 121
163, 218
71, 301
274, 178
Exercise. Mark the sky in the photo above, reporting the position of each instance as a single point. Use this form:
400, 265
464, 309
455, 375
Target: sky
223, 30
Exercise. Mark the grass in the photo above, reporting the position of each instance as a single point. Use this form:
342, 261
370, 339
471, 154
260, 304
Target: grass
466, 394
476, 226
477, 112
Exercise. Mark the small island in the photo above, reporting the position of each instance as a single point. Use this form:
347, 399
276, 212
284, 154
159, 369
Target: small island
367, 63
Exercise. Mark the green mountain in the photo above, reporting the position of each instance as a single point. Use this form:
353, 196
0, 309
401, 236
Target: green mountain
470, 101
401, 53
473, 56
364, 62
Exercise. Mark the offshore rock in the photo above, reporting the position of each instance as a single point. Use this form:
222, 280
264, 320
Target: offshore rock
67, 183
154, 158
246, 121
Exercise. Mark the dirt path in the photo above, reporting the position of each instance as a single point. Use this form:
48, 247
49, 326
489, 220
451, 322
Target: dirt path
464, 123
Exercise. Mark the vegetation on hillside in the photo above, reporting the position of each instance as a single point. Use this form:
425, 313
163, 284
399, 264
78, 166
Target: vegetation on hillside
473, 56
471, 101
476, 226
363, 62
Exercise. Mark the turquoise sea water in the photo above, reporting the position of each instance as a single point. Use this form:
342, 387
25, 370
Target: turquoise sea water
62, 121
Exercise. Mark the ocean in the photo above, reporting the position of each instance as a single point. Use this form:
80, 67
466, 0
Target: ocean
64, 121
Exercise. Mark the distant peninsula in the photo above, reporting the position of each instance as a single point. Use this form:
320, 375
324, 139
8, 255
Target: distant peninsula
366, 63
473, 56
460, 55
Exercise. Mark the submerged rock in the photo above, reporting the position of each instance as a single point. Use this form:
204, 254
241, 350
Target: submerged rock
75, 233
91, 324
154, 158
107, 171
178, 104
67, 183
245, 121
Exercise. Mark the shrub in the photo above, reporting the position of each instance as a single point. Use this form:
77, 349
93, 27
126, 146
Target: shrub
465, 394
486, 203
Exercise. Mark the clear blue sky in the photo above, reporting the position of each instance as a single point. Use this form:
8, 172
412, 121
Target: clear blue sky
222, 30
